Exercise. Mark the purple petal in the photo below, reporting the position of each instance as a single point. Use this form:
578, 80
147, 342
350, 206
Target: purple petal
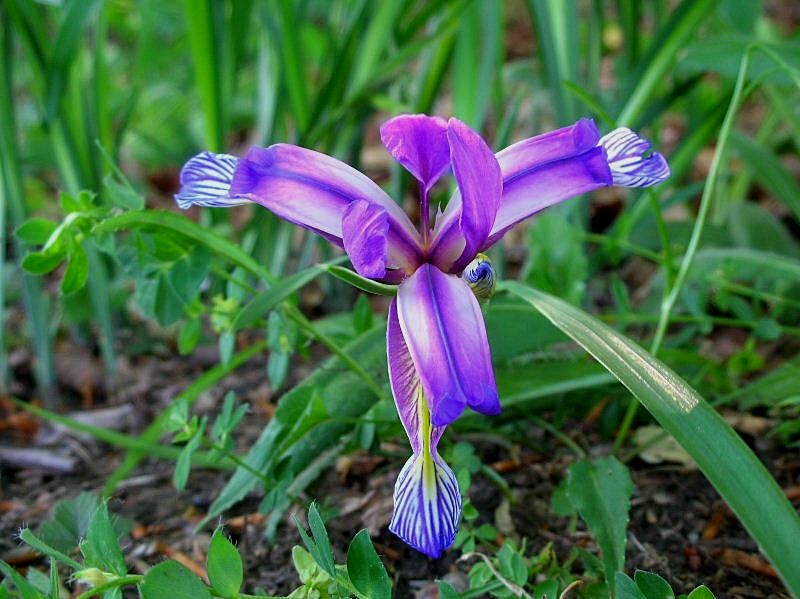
313, 190
364, 230
547, 169
629, 162
206, 181
419, 143
474, 208
427, 504
443, 327
406, 386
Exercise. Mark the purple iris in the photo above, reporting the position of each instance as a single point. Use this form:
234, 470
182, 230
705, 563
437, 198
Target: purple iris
439, 359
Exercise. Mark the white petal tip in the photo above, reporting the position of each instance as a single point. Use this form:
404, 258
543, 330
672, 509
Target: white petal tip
631, 161
206, 181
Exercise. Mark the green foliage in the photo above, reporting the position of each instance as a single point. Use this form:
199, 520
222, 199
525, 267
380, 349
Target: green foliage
600, 492
224, 566
213, 74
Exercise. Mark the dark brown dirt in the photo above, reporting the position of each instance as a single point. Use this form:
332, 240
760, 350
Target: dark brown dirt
672, 508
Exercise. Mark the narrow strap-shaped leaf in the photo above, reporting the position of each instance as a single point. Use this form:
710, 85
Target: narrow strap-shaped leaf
68, 40
737, 474
266, 301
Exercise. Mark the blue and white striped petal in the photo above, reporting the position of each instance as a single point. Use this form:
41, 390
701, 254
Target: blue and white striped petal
427, 504
206, 181
631, 161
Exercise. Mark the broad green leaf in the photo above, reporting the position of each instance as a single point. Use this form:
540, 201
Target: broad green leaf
70, 522
601, 492
626, 588
701, 592
733, 469
26, 589
101, 547
652, 585
365, 568
189, 335
36, 231
323, 543
77, 272
41, 263
546, 590
170, 580
224, 565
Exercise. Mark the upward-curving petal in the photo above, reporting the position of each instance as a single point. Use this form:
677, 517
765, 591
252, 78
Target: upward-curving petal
443, 328
313, 190
419, 143
474, 208
547, 169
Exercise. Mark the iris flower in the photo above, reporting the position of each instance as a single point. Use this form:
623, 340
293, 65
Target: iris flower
438, 353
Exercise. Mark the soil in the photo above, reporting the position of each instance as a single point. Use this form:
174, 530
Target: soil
679, 527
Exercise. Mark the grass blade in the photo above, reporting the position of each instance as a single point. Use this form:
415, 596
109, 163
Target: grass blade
13, 209
556, 23
737, 474
478, 53
67, 44
657, 63
203, 25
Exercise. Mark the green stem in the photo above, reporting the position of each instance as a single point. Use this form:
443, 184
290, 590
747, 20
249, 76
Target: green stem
671, 298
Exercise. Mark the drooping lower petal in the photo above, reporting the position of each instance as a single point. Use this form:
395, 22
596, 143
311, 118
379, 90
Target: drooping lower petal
313, 190
630, 160
405, 383
419, 143
206, 181
427, 504
443, 328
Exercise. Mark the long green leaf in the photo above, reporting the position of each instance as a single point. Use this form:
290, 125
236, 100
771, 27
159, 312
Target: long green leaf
12, 206
737, 474
77, 16
204, 32
267, 300
665, 48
